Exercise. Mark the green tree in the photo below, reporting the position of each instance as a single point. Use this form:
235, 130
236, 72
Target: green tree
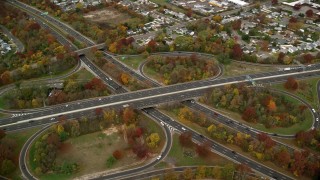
7, 167
110, 161
228, 171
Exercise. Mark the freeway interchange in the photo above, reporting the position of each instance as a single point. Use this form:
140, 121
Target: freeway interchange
145, 100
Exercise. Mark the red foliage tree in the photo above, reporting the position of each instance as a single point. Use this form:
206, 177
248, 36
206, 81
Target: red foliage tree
308, 58
54, 139
291, 84
236, 25
98, 111
95, 84
299, 163
237, 52
274, 2
283, 158
185, 139
152, 44
293, 20
2, 134
281, 57
33, 26
129, 116
309, 13
130, 40
203, 150
249, 114
297, 6
189, 12
268, 142
140, 150
138, 132
117, 154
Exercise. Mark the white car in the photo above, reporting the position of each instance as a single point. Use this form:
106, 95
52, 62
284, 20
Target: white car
183, 128
313, 110
158, 157
317, 119
162, 123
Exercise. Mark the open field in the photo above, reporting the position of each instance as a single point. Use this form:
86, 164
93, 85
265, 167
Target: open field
176, 156
83, 75
132, 61
109, 17
91, 152
236, 68
307, 90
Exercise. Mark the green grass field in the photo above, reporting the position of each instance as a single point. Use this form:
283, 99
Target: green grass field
83, 75
132, 61
307, 90
177, 155
236, 68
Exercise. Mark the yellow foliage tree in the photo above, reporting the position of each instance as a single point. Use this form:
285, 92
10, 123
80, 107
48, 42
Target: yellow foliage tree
153, 140
211, 128
185, 114
113, 47
125, 78
217, 18
60, 129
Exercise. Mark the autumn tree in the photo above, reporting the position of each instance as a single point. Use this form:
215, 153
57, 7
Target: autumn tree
237, 52
249, 114
125, 78
309, 13
274, 2
297, 6
140, 150
129, 116
153, 140
236, 25
117, 154
281, 57
188, 174
2, 134
283, 158
291, 84
185, 139
203, 149
298, 164
308, 58
217, 18
243, 170
189, 12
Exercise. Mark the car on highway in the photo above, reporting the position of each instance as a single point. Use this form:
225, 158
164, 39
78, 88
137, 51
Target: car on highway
317, 119
159, 157
201, 135
183, 128
52, 119
313, 110
162, 123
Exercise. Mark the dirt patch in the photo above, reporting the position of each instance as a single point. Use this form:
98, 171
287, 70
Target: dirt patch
110, 130
65, 147
107, 16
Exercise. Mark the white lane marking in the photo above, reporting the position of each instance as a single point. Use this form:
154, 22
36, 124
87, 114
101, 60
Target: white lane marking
154, 96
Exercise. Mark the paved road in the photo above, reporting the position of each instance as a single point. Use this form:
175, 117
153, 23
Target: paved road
65, 27
150, 97
16, 41
318, 90
23, 154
